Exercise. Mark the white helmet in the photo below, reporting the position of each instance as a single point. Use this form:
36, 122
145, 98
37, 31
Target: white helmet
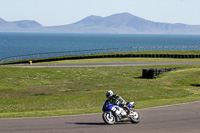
109, 94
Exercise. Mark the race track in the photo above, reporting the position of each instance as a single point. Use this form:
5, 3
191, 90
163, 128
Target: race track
180, 118
107, 64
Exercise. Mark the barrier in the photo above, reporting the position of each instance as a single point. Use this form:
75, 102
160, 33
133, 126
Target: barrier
112, 53
152, 73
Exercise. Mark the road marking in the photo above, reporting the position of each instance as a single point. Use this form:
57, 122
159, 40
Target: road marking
97, 113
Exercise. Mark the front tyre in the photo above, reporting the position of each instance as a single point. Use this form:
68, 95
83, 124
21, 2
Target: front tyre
134, 116
108, 118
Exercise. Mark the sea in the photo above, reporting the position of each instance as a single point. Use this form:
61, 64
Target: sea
14, 44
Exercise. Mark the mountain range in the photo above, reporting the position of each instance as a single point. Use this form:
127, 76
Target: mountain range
122, 23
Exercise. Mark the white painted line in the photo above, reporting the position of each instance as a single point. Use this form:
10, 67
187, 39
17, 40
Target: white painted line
95, 113
169, 105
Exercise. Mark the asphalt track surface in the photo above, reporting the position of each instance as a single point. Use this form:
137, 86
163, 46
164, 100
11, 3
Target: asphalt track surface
179, 118
106, 64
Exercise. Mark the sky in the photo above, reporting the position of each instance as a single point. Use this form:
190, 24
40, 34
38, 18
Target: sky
62, 12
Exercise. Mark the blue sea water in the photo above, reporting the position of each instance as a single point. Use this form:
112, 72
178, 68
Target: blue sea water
13, 44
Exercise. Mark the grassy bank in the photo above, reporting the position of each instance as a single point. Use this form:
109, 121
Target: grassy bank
148, 54
104, 60
33, 92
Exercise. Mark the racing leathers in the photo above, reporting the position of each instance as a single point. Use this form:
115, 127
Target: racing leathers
117, 100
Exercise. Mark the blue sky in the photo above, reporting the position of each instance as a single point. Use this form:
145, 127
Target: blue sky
61, 12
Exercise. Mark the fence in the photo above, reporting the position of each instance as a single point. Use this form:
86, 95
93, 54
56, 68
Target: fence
98, 51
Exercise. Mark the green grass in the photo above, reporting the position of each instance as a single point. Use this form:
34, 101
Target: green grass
104, 60
35, 92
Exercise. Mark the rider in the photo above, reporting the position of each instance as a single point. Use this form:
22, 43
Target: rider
115, 99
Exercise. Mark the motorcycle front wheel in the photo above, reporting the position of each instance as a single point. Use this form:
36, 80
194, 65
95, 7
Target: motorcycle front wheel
134, 116
108, 118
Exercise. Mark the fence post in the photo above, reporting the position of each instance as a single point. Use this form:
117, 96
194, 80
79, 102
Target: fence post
1, 61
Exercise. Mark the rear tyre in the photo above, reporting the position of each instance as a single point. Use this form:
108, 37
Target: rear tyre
108, 118
134, 116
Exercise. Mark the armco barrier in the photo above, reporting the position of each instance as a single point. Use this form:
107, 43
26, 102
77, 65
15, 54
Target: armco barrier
111, 52
106, 56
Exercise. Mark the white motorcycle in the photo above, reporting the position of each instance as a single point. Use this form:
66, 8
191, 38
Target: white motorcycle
127, 113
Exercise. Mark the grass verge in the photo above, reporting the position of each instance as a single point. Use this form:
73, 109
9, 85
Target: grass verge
36, 92
104, 60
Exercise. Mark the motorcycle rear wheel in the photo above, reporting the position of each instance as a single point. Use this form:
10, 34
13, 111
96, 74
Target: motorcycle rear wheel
136, 117
108, 118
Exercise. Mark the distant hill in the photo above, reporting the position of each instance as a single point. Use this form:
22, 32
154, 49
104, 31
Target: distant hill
122, 23
19, 26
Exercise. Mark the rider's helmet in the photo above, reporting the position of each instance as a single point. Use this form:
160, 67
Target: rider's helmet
109, 94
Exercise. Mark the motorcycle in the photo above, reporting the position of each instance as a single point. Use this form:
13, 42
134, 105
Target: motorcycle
127, 113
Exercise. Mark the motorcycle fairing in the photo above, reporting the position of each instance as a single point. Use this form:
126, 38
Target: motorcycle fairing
107, 106
131, 104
